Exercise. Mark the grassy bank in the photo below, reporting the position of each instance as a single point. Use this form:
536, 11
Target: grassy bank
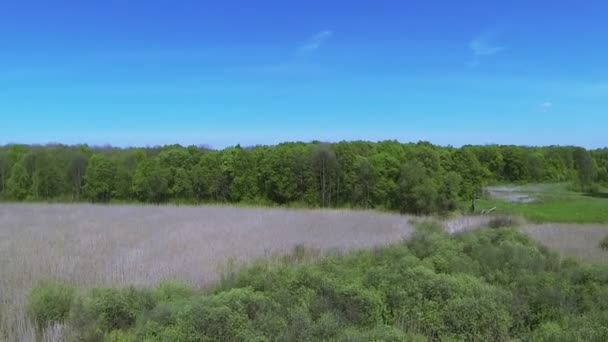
554, 203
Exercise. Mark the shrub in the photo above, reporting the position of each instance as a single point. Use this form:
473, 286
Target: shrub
326, 327
205, 321
379, 333
104, 310
50, 303
501, 221
119, 336
425, 237
359, 306
477, 318
171, 291
548, 332
604, 243
300, 326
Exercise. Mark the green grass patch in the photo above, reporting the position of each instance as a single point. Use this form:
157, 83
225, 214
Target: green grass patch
555, 203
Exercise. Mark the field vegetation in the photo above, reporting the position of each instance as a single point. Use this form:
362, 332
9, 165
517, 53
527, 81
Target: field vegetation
588, 243
487, 285
551, 203
88, 245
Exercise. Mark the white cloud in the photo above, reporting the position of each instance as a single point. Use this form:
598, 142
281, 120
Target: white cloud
315, 42
545, 106
483, 45
300, 57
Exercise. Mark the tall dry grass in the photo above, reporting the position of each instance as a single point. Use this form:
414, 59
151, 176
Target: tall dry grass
94, 245
577, 241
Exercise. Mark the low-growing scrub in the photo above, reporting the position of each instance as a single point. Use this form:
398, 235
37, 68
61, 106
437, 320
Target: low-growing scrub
500, 221
604, 243
50, 303
487, 285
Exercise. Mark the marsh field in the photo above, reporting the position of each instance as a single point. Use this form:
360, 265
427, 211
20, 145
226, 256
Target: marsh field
142, 245
119, 245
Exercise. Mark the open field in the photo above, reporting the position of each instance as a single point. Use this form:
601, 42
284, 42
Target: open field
543, 203
90, 245
580, 242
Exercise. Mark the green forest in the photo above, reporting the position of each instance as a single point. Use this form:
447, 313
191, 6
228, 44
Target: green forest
415, 177
487, 285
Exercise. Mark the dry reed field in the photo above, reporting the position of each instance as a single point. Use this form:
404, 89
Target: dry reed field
95, 245
577, 241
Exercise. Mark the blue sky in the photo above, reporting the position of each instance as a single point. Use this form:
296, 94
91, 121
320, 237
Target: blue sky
226, 72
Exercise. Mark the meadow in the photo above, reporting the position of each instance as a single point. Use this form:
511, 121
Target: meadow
580, 242
480, 285
546, 203
206, 249
570, 223
108, 245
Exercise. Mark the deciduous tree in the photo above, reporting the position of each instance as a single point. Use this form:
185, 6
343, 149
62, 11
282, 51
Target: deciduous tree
99, 178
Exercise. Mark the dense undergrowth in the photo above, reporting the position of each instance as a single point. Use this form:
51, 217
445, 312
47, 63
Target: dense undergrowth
488, 285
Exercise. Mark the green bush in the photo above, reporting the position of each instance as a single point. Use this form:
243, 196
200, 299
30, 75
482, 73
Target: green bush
382, 333
326, 327
548, 332
104, 310
119, 336
424, 238
476, 318
357, 305
50, 303
172, 291
604, 243
204, 321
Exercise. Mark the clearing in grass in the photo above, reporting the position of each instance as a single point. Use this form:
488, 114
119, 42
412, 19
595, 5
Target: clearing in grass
549, 203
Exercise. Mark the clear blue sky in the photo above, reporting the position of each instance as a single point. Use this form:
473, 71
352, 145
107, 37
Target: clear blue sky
261, 72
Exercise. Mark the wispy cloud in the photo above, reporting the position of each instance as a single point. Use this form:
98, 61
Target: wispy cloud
300, 56
545, 106
315, 42
483, 45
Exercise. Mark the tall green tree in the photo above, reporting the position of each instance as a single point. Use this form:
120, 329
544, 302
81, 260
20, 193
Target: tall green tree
364, 182
584, 166
515, 168
387, 171
151, 182
449, 192
46, 181
209, 181
5, 171
325, 165
19, 183
99, 178
466, 164
416, 192
76, 172
182, 184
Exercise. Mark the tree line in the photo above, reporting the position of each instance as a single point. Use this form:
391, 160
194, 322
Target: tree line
409, 177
